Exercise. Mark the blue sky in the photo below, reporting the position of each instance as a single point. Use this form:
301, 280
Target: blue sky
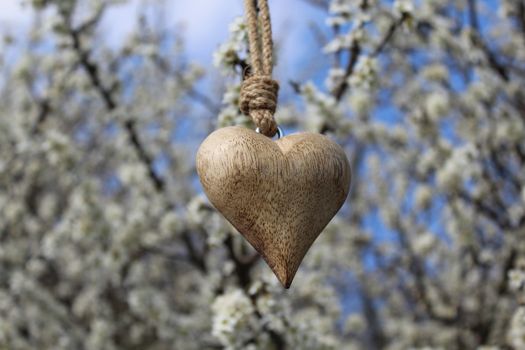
205, 25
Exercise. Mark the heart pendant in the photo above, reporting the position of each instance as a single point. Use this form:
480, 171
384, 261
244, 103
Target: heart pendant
279, 194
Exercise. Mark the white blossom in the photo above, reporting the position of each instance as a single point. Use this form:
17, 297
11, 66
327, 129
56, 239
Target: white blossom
233, 319
517, 279
107, 240
228, 53
437, 105
517, 328
365, 74
404, 7
423, 196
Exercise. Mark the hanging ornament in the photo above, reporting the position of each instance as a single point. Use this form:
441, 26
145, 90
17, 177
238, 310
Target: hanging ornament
279, 194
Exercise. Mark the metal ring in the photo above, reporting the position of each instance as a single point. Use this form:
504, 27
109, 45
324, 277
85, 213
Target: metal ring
280, 132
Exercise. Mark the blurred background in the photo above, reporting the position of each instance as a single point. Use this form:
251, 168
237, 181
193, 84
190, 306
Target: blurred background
106, 238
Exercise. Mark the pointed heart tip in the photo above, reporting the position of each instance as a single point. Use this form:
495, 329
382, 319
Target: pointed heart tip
285, 284
285, 279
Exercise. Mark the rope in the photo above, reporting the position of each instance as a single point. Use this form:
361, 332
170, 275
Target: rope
258, 98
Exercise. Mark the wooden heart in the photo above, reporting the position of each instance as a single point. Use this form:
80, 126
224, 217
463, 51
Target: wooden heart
279, 194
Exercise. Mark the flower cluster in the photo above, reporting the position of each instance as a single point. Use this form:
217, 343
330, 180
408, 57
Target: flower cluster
234, 321
227, 55
107, 241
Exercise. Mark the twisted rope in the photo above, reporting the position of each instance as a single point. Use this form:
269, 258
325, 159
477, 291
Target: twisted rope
258, 98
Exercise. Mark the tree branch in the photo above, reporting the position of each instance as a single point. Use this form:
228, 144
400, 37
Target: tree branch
191, 91
242, 266
389, 35
92, 71
355, 51
158, 182
473, 14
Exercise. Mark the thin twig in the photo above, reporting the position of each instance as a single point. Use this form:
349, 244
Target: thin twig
193, 93
389, 34
355, 51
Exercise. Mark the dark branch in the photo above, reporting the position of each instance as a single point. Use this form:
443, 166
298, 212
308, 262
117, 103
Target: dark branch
355, 51
106, 94
473, 14
389, 35
92, 71
44, 109
195, 257
199, 97
243, 266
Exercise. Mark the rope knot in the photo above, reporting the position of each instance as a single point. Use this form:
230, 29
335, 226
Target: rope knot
258, 99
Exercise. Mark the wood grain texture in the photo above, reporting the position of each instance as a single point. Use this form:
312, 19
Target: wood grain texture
279, 194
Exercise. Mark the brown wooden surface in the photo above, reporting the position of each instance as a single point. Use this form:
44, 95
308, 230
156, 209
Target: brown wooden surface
279, 194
